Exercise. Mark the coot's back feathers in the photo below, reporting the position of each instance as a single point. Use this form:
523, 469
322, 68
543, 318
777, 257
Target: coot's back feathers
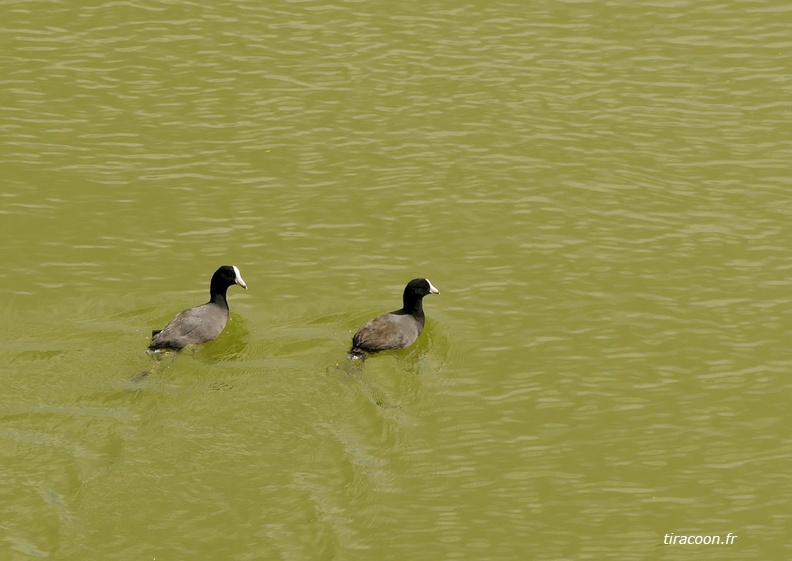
202, 323
397, 329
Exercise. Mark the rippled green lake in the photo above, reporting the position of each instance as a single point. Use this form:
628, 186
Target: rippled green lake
601, 192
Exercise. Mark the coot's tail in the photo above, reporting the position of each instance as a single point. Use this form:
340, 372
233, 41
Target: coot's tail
356, 353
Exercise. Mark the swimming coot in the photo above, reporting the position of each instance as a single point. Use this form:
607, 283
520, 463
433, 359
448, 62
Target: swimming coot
397, 329
202, 323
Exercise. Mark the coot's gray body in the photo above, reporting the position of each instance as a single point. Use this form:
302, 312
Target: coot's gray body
202, 323
397, 329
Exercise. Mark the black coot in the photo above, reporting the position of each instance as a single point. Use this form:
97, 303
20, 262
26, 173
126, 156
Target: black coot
202, 323
397, 329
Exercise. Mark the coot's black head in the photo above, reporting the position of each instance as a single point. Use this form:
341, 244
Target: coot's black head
226, 276
418, 288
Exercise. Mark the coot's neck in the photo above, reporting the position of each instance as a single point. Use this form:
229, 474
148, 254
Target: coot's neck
413, 304
217, 295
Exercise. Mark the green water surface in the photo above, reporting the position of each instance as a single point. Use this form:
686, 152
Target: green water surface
600, 190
